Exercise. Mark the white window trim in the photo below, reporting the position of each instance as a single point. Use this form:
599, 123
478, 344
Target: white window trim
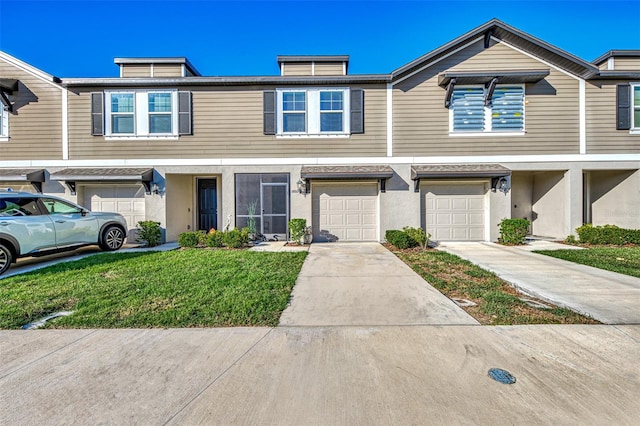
634, 130
141, 115
487, 116
312, 113
4, 130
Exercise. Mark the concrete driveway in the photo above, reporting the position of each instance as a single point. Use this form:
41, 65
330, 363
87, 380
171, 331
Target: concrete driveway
365, 284
609, 297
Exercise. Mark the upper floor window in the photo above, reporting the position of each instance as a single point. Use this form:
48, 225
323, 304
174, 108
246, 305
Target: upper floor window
635, 113
141, 113
4, 122
470, 113
313, 111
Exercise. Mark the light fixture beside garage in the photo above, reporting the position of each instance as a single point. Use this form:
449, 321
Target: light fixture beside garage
500, 184
302, 188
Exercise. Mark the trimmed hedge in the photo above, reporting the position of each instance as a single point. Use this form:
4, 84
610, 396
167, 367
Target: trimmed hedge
608, 234
407, 238
234, 238
513, 231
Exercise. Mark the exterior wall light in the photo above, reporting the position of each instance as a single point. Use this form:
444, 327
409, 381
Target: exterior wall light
301, 186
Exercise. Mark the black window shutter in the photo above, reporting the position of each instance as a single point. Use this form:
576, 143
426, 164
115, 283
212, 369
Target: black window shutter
623, 102
97, 113
184, 113
357, 111
269, 112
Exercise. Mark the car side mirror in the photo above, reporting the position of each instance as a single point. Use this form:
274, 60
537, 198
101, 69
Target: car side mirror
84, 212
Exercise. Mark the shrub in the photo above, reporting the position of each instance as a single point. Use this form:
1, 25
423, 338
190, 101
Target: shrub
190, 238
608, 234
236, 238
513, 231
297, 229
149, 233
399, 239
214, 239
418, 235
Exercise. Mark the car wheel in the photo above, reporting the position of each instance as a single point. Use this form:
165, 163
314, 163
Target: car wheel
5, 258
112, 239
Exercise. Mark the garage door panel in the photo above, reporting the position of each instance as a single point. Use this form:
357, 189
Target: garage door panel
345, 212
128, 200
455, 211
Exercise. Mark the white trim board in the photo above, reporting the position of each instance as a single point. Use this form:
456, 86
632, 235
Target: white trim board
629, 161
30, 69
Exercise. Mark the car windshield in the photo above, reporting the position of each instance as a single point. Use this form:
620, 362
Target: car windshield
18, 207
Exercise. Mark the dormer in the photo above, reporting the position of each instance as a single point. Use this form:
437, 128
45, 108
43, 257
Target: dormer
155, 67
313, 65
619, 60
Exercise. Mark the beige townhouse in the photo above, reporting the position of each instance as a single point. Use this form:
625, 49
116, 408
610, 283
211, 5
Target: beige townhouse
493, 124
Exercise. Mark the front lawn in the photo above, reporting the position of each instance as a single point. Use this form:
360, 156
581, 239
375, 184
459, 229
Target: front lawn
181, 288
498, 303
624, 260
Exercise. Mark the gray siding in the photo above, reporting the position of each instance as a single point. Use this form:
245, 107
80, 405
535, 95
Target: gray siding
35, 126
626, 64
421, 122
602, 136
296, 69
330, 68
227, 123
167, 70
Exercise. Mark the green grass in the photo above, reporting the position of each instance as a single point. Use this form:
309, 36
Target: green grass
497, 302
181, 288
624, 260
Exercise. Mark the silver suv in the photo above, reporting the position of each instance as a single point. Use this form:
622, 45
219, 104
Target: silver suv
36, 224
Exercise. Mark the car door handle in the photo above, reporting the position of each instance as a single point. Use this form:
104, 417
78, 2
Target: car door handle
4, 223
60, 221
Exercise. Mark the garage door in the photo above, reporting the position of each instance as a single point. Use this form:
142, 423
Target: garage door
128, 200
455, 212
345, 212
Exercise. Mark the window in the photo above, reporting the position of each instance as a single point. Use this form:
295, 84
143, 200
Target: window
4, 122
60, 207
18, 207
313, 112
635, 113
505, 112
141, 113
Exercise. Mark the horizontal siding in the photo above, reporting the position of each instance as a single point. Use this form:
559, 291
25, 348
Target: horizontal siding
143, 70
297, 69
35, 127
329, 68
626, 64
227, 123
167, 70
602, 136
421, 122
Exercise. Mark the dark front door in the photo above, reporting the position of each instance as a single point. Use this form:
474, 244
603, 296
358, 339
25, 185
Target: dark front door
207, 204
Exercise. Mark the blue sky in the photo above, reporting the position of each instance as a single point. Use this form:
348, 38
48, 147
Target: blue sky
81, 38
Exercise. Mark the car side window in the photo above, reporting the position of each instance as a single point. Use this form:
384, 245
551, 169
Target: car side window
18, 206
59, 207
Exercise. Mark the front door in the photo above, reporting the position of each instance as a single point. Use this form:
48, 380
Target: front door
207, 204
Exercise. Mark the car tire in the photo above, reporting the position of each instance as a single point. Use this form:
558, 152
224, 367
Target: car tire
6, 257
112, 238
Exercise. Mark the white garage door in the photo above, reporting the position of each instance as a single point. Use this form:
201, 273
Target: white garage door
128, 200
345, 212
455, 212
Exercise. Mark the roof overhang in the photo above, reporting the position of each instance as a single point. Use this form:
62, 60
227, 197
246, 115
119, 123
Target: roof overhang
485, 77
104, 174
361, 172
458, 171
35, 177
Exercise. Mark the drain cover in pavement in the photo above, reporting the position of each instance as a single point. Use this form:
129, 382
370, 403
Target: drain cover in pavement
502, 376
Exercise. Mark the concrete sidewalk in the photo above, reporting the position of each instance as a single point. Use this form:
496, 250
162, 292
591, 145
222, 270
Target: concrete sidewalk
566, 375
609, 297
350, 284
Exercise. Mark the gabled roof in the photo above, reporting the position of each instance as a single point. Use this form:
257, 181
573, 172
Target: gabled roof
501, 31
30, 69
616, 54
